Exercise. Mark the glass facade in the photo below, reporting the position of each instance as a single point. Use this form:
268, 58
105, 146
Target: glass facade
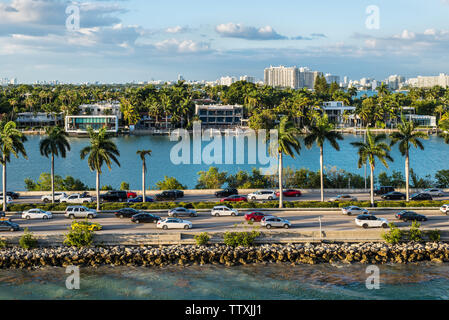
75, 124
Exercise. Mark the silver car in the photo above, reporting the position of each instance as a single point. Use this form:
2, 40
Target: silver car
434, 192
179, 212
354, 210
275, 222
73, 212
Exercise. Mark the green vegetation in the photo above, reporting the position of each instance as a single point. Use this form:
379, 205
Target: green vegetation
415, 234
80, 235
3, 243
211, 179
240, 239
170, 183
124, 186
61, 184
393, 236
434, 235
202, 239
27, 240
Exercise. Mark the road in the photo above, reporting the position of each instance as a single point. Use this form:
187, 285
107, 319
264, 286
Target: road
301, 220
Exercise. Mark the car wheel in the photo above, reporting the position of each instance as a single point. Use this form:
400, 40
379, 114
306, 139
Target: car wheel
270, 198
365, 226
217, 215
192, 215
186, 227
253, 220
12, 230
28, 217
165, 227
297, 195
45, 217
72, 216
385, 226
233, 214
46, 200
90, 216
253, 198
286, 226
268, 226
137, 222
121, 216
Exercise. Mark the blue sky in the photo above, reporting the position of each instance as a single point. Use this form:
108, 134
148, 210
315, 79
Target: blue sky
126, 40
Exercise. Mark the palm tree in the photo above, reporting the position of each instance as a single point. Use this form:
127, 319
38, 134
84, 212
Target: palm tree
406, 136
287, 143
11, 142
101, 151
143, 154
320, 131
54, 144
373, 148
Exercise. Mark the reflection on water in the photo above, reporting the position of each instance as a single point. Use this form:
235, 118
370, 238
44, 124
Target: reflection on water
272, 281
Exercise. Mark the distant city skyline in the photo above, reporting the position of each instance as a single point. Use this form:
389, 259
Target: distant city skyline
123, 41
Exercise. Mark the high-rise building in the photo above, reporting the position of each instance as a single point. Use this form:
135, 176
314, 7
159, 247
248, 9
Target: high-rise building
330, 78
429, 82
307, 77
226, 81
283, 77
248, 79
395, 81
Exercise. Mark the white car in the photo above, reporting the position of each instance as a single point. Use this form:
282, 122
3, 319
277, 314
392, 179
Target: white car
36, 214
223, 211
174, 223
275, 222
58, 196
76, 198
371, 221
342, 198
445, 209
354, 210
263, 195
73, 212
434, 192
8, 200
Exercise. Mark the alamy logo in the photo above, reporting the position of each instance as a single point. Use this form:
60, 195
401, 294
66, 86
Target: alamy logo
73, 280
373, 280
72, 23
261, 148
373, 20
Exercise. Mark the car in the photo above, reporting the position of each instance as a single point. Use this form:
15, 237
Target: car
395, 195
114, 196
174, 223
126, 213
144, 217
58, 195
36, 214
178, 193
139, 199
13, 195
223, 211
235, 198
73, 212
131, 194
421, 197
434, 192
290, 193
166, 195
226, 193
177, 212
76, 198
6, 225
343, 198
371, 221
383, 190
445, 209
275, 222
255, 216
354, 210
8, 200
263, 195
410, 216
2, 214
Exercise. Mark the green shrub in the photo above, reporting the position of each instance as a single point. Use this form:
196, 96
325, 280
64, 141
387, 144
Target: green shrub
124, 186
240, 239
79, 236
202, 238
3, 243
415, 234
27, 240
393, 236
434, 235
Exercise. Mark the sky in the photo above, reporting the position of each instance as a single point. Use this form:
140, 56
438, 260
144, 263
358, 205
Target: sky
142, 40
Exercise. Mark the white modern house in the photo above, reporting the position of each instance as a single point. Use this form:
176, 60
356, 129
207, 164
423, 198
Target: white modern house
110, 108
335, 111
77, 125
219, 115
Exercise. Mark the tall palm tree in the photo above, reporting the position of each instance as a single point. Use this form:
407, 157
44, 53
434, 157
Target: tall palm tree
287, 143
406, 136
143, 154
100, 151
11, 142
373, 148
319, 132
54, 144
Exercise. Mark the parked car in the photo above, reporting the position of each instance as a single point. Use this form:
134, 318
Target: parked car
177, 212
290, 193
394, 196
131, 194
8, 200
166, 195
12, 194
223, 211
58, 195
6, 225
410, 216
371, 221
76, 198
174, 223
139, 199
235, 198
383, 190
343, 198
255, 216
263, 195
445, 209
114, 196
354, 210
275, 222
36, 214
421, 197
178, 193
126, 213
73, 212
226, 193
144, 217
434, 192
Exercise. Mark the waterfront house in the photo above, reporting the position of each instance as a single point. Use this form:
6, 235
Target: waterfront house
103, 108
220, 116
338, 113
38, 119
77, 125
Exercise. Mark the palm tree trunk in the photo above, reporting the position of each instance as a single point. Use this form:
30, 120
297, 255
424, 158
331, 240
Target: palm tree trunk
4, 184
407, 175
372, 186
321, 172
143, 182
281, 186
98, 191
52, 178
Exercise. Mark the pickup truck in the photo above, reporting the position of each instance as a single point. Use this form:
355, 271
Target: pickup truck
76, 198
58, 196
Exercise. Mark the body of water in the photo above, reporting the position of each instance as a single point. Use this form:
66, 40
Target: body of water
426, 162
269, 282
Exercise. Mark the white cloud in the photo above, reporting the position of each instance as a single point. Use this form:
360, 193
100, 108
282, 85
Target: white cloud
182, 46
177, 29
233, 30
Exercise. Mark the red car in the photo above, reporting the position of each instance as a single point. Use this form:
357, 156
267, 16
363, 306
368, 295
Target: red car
290, 193
255, 216
131, 195
235, 198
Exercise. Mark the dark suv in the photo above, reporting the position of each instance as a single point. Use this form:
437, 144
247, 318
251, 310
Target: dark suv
178, 193
114, 196
166, 195
226, 193
383, 190
421, 197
